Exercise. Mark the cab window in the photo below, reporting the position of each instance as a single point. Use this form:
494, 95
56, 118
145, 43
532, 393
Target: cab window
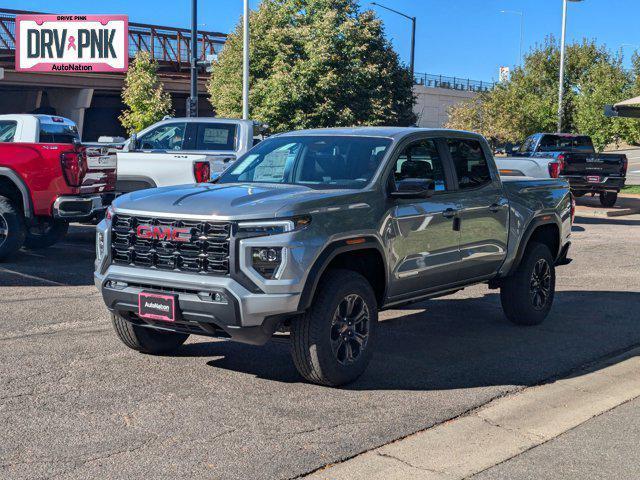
7, 130
421, 160
58, 133
164, 137
469, 162
216, 136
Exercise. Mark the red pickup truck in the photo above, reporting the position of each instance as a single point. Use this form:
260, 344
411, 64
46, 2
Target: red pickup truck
48, 179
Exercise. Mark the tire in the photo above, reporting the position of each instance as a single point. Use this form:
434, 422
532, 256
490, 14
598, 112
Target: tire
527, 295
45, 233
12, 228
608, 199
146, 340
320, 352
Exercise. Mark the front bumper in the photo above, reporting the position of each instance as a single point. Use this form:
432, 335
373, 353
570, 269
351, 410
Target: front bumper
81, 207
608, 184
243, 316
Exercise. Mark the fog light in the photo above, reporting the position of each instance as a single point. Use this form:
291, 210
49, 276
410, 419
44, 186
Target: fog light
99, 245
266, 260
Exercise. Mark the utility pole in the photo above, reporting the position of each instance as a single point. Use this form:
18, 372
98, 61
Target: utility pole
192, 101
245, 62
413, 35
562, 49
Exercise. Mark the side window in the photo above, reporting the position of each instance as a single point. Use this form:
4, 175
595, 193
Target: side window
164, 137
7, 130
470, 163
421, 160
216, 136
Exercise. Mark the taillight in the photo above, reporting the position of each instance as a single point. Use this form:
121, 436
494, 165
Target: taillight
74, 167
625, 164
202, 172
554, 169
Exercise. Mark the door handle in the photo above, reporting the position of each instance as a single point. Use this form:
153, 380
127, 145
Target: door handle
495, 208
449, 213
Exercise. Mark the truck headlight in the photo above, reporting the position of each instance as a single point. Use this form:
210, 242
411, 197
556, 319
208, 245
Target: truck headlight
272, 227
266, 260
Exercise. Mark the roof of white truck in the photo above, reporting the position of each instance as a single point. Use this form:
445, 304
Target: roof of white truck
43, 118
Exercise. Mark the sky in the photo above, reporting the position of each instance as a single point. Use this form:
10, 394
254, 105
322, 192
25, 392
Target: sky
462, 38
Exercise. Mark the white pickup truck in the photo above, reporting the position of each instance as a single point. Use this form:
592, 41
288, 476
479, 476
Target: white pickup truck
178, 151
534, 167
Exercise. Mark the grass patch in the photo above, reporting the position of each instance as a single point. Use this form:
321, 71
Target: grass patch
635, 189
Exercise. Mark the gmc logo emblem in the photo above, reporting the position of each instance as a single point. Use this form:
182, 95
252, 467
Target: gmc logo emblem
149, 232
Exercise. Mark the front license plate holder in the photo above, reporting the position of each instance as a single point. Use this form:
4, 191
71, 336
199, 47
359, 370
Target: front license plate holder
158, 306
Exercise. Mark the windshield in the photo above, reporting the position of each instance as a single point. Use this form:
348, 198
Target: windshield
313, 161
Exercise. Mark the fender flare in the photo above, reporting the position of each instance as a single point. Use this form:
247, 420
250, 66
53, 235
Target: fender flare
330, 252
20, 184
537, 221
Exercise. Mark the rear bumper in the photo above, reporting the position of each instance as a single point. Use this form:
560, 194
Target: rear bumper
81, 207
609, 184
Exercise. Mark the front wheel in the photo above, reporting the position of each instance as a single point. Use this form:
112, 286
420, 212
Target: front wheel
527, 295
145, 339
333, 341
608, 199
45, 233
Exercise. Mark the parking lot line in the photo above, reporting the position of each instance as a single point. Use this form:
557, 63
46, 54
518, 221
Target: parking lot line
32, 277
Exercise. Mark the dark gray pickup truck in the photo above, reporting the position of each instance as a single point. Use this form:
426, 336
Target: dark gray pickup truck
586, 170
312, 233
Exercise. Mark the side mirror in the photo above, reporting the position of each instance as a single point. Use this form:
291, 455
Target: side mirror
414, 188
133, 143
215, 176
515, 148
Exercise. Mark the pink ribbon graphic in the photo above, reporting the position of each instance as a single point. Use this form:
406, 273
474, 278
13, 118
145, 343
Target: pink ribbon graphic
72, 43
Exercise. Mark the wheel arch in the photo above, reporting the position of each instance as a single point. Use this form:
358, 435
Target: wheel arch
14, 187
543, 229
365, 257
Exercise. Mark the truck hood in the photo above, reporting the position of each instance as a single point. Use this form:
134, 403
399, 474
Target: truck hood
235, 201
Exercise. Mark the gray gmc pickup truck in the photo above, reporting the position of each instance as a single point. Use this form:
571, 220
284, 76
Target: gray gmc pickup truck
314, 232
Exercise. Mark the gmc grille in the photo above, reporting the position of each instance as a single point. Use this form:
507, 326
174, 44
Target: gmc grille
206, 252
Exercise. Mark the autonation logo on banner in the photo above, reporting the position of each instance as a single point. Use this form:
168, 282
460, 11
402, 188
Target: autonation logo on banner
68, 43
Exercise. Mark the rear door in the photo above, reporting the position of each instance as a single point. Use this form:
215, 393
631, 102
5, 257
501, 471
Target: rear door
483, 211
421, 233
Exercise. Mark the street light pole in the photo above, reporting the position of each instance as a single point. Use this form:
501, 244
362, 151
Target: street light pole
192, 101
562, 49
413, 35
245, 62
521, 14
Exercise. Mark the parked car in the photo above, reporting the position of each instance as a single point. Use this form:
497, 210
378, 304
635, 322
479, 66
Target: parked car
314, 232
177, 151
586, 170
48, 179
535, 167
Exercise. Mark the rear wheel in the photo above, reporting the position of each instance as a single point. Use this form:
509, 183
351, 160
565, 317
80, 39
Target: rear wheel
332, 343
12, 229
144, 339
527, 295
608, 199
45, 233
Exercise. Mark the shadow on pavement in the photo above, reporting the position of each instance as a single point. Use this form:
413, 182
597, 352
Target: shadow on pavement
69, 262
604, 221
456, 344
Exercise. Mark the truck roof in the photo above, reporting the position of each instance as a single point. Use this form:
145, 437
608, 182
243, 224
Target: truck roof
41, 117
389, 132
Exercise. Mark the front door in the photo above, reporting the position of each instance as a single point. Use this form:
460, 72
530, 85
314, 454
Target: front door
420, 233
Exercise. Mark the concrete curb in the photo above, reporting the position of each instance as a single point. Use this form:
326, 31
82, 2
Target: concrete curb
499, 430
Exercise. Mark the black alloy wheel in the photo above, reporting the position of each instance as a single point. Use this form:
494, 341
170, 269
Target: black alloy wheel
540, 284
350, 329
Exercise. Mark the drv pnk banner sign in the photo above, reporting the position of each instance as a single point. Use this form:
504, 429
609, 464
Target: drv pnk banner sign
72, 43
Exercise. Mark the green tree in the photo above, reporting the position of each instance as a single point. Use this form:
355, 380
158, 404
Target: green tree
143, 94
314, 63
528, 102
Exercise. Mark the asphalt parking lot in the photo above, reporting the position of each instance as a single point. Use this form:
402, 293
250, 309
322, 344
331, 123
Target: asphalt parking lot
75, 403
